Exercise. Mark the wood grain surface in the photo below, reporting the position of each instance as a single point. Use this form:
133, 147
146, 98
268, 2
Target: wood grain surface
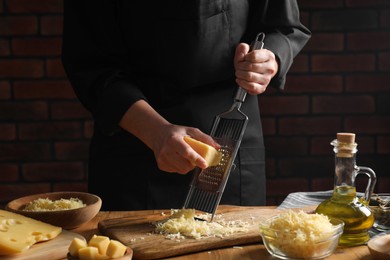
54, 249
137, 232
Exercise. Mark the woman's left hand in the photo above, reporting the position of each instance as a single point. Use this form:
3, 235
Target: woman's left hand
255, 69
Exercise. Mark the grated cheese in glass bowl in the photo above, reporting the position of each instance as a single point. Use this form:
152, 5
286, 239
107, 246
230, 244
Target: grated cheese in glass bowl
300, 235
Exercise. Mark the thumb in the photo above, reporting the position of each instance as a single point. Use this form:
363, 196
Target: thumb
241, 50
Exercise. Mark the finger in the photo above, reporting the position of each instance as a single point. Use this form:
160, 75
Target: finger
241, 50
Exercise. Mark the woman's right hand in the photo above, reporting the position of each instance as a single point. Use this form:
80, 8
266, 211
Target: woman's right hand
166, 140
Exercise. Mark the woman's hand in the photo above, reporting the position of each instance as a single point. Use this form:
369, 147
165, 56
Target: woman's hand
255, 69
172, 153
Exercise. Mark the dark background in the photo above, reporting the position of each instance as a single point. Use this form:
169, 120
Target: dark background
338, 83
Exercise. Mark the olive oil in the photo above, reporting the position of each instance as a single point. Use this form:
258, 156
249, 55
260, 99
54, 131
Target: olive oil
344, 204
358, 219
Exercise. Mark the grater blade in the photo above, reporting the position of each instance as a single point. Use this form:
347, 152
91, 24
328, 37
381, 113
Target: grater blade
207, 185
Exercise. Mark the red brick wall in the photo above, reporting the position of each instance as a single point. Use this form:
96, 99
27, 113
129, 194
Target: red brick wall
340, 82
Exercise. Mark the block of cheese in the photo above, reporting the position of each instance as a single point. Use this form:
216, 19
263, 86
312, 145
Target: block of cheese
97, 248
100, 242
91, 253
116, 249
209, 153
19, 233
76, 245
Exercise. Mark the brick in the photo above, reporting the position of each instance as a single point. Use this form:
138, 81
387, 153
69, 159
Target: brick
300, 64
363, 41
7, 132
309, 125
76, 150
343, 104
51, 25
53, 171
43, 89
324, 183
343, 63
18, 151
10, 192
306, 167
314, 84
18, 25
326, 42
373, 83
73, 186
286, 146
8, 172
54, 68
284, 186
346, 19
383, 183
69, 110
385, 18
383, 145
5, 49
50, 130
23, 111
321, 145
5, 90
303, 4
269, 125
21, 68
368, 124
384, 61
37, 6
1, 6
364, 3
43, 46
383, 104
290, 105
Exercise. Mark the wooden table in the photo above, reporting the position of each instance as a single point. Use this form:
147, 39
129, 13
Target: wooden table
253, 251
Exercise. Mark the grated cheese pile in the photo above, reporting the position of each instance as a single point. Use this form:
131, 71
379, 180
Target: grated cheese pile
297, 234
50, 205
183, 224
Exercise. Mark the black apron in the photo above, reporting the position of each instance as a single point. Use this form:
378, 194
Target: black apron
192, 83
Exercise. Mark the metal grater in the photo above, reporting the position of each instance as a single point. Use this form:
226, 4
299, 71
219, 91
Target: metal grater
207, 185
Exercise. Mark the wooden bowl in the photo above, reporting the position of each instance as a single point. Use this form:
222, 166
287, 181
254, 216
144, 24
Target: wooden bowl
128, 255
67, 219
379, 247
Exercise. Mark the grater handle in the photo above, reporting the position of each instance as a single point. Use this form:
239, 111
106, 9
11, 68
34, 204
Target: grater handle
257, 44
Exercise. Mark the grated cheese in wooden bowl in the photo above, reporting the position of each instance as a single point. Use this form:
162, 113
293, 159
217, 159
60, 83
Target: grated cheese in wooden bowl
184, 224
45, 204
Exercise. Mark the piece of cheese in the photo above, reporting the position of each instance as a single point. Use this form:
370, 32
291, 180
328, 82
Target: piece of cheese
116, 249
91, 253
100, 242
97, 248
18, 233
209, 153
76, 245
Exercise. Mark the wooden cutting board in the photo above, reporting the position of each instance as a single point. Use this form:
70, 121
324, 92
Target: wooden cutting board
54, 249
137, 232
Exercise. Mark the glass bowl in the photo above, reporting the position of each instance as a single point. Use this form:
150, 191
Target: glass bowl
283, 244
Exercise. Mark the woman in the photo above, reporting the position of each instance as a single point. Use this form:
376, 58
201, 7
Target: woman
153, 72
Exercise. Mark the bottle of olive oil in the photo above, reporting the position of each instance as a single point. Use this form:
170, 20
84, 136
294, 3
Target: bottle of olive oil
344, 203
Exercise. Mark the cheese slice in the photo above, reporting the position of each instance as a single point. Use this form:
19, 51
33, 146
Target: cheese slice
209, 153
18, 233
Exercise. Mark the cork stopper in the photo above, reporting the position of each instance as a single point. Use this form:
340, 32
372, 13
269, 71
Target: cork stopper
344, 145
347, 138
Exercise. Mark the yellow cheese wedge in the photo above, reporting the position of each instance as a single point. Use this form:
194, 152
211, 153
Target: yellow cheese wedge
116, 249
18, 233
100, 242
209, 153
76, 245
